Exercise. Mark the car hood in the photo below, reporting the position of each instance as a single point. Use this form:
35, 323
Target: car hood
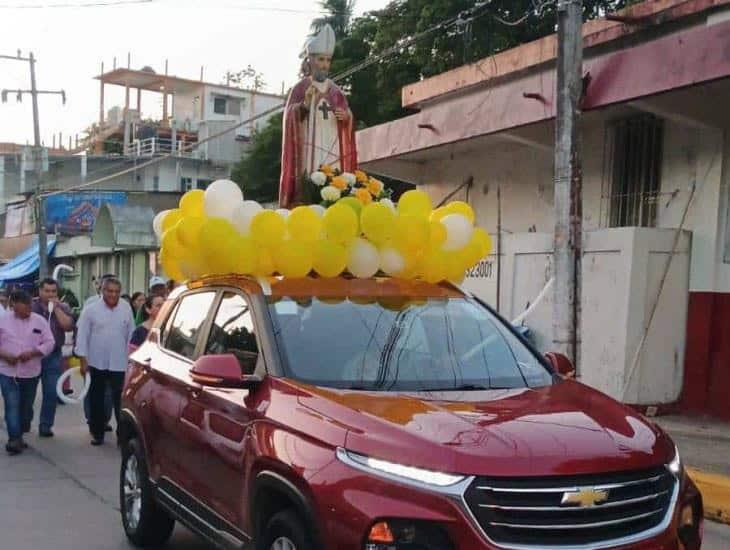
565, 428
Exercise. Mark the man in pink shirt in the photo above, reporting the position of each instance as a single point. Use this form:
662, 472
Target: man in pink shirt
25, 338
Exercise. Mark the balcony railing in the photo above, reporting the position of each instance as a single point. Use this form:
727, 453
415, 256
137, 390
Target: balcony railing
153, 146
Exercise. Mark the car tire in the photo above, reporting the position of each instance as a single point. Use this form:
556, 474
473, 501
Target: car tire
145, 523
285, 531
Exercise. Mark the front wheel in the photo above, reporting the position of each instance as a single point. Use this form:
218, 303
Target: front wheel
285, 531
145, 523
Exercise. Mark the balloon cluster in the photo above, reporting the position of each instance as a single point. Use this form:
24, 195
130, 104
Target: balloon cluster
217, 232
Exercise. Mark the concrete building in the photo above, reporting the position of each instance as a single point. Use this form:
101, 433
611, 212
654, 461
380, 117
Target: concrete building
656, 172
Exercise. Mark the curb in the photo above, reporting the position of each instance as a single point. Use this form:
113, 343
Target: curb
715, 489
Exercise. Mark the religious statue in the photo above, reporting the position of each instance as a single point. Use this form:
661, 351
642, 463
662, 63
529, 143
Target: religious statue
318, 124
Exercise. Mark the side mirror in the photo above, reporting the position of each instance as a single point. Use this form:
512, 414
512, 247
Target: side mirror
561, 364
221, 371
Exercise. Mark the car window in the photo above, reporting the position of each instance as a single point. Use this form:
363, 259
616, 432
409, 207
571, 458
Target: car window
188, 319
233, 331
401, 344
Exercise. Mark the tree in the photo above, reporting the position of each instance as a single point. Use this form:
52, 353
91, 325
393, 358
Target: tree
338, 13
375, 91
248, 78
258, 171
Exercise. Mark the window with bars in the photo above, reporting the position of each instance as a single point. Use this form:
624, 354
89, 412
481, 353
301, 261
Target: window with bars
632, 171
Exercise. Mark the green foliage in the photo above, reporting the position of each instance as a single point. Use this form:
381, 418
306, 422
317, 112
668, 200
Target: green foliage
338, 13
258, 171
374, 93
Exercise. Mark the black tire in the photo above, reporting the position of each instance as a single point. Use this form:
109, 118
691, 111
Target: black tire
153, 526
286, 524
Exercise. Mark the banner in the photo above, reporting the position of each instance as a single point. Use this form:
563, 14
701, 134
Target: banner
74, 213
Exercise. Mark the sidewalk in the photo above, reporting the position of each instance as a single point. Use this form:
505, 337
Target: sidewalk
704, 446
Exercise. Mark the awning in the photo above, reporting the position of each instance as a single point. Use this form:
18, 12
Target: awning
24, 264
122, 226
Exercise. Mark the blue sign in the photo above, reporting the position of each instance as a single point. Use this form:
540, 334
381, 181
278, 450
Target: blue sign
74, 213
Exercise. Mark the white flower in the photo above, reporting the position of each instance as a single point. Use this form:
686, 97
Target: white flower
388, 203
318, 178
349, 178
330, 194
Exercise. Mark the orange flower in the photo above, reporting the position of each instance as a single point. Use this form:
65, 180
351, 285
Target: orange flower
339, 182
327, 169
361, 176
363, 195
375, 187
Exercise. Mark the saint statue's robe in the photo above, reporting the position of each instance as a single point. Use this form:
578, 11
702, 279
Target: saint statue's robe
313, 136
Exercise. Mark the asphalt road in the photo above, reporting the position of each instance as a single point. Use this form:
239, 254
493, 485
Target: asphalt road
62, 494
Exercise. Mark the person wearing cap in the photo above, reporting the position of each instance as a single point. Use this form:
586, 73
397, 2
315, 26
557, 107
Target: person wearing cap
158, 287
25, 338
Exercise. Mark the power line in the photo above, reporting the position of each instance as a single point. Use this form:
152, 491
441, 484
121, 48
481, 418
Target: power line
469, 14
70, 5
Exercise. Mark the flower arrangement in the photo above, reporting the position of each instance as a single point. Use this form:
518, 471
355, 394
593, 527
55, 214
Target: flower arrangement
331, 185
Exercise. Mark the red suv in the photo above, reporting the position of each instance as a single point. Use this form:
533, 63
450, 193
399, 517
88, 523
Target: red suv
380, 414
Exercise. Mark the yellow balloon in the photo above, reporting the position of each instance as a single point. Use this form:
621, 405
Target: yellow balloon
433, 269
171, 243
329, 259
268, 228
265, 264
293, 258
191, 203
216, 231
304, 224
246, 256
415, 203
191, 265
438, 233
340, 223
170, 266
483, 240
439, 213
188, 231
411, 233
353, 203
455, 265
377, 221
171, 219
216, 238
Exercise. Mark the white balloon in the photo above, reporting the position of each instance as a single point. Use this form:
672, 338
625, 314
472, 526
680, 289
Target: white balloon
283, 212
458, 231
389, 203
319, 209
157, 223
364, 260
243, 215
392, 262
221, 198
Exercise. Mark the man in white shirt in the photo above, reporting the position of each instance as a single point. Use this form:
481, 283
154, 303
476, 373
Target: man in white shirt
104, 330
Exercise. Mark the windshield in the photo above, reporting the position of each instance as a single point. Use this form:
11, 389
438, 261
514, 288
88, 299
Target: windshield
402, 344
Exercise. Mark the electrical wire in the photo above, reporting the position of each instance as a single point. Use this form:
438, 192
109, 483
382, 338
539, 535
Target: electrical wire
473, 12
69, 5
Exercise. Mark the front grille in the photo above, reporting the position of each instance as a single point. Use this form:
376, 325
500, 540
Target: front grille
570, 510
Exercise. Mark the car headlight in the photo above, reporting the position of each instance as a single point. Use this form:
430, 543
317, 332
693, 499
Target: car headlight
398, 471
675, 465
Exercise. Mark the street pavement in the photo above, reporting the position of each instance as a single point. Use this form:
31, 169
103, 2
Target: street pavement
62, 494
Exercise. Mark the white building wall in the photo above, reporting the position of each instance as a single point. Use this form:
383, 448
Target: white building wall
187, 108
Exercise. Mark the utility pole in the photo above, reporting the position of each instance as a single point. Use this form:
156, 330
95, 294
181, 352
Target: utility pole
37, 155
568, 181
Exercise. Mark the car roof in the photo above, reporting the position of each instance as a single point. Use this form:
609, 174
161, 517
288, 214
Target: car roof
342, 286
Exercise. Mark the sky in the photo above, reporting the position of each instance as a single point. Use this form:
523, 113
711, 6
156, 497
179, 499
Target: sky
72, 39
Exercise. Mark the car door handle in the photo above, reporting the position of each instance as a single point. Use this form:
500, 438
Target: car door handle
194, 392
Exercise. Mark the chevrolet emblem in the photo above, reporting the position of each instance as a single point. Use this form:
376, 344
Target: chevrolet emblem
585, 498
